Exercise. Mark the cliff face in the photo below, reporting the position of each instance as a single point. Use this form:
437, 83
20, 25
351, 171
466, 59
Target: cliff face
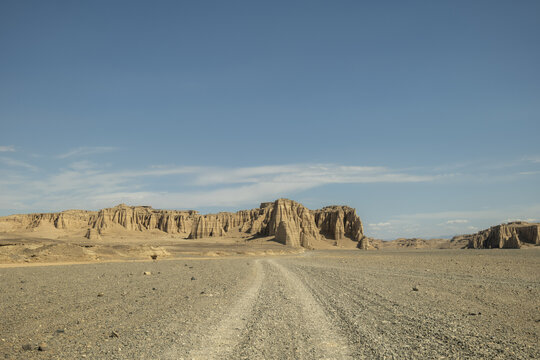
338, 222
504, 236
140, 218
290, 222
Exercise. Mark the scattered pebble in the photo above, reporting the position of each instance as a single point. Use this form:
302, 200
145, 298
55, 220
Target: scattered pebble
43, 347
154, 289
193, 278
114, 334
100, 294
415, 288
475, 313
147, 273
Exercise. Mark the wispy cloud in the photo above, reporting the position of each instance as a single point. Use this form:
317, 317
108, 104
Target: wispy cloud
500, 213
86, 150
16, 163
457, 221
533, 158
84, 184
316, 174
7, 148
381, 224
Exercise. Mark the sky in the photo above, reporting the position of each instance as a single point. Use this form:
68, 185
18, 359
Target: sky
422, 115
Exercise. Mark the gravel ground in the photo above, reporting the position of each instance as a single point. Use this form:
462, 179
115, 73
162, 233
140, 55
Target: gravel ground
427, 304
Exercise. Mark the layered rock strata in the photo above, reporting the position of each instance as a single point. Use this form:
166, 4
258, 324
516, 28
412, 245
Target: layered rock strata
290, 222
505, 236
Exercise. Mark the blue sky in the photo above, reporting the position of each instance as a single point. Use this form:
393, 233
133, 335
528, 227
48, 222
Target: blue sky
423, 115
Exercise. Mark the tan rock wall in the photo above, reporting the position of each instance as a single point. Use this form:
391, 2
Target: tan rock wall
297, 225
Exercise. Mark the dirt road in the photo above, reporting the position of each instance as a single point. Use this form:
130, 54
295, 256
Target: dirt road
320, 305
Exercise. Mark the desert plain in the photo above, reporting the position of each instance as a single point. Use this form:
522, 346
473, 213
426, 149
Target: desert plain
277, 282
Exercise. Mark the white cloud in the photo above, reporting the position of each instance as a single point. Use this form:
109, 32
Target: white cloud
84, 184
457, 221
16, 163
533, 159
381, 224
316, 174
7, 148
86, 150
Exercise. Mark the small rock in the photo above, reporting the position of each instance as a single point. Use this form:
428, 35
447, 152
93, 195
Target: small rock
415, 288
27, 347
43, 347
60, 331
147, 273
114, 334
475, 313
193, 278
100, 294
154, 257
154, 289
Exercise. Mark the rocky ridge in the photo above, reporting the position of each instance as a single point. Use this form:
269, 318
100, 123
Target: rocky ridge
290, 222
512, 235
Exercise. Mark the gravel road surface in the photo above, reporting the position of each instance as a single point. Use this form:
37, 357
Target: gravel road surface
427, 304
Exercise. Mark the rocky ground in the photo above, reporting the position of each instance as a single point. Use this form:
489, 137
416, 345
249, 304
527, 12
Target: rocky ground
321, 304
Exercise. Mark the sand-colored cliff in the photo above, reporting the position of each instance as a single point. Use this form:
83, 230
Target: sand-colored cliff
504, 236
288, 221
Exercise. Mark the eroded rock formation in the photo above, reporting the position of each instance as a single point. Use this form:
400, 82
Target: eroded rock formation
290, 222
504, 236
140, 218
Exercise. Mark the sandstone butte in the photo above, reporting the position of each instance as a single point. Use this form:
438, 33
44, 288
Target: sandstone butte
290, 222
504, 236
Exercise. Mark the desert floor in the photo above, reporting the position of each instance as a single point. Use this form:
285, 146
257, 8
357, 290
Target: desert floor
339, 304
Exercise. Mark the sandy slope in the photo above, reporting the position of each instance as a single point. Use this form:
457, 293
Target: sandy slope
322, 304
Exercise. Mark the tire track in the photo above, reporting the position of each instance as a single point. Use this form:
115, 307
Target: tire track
222, 338
380, 319
329, 343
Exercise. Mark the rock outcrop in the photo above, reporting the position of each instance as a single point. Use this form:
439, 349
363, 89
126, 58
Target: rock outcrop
92, 234
505, 236
301, 226
140, 218
290, 222
338, 222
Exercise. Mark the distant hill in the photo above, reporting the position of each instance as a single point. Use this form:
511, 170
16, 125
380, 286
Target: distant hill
512, 235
